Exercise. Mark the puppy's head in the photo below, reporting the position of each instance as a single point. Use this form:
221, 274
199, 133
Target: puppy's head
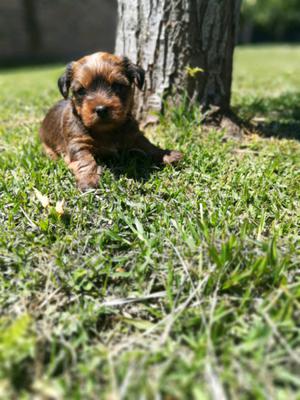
101, 88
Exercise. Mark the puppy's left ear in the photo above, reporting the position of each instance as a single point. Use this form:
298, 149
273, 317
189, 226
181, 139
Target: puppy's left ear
135, 73
64, 82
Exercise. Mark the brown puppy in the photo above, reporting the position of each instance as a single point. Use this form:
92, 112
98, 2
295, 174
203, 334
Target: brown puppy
95, 119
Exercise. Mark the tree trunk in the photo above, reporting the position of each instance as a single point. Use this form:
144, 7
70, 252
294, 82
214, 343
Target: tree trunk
172, 40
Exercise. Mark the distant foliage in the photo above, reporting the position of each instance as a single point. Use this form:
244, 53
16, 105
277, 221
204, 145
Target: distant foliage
270, 20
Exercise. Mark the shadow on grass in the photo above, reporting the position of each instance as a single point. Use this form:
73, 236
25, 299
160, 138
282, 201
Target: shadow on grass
133, 165
274, 116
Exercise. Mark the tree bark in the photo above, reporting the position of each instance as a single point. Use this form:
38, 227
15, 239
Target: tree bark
172, 40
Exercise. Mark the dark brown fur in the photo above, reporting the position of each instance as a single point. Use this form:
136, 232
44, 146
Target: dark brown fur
73, 129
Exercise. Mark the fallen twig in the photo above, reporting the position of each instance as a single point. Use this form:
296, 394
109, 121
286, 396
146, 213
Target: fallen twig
130, 300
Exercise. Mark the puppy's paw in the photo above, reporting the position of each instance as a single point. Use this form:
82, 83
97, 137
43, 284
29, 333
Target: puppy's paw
172, 157
87, 182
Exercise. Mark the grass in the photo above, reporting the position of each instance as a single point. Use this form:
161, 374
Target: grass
178, 283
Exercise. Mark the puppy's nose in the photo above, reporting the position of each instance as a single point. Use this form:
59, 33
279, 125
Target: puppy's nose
101, 111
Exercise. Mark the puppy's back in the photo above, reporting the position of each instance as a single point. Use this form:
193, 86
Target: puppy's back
51, 131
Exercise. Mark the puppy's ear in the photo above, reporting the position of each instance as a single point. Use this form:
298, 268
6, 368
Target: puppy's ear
64, 82
139, 76
135, 73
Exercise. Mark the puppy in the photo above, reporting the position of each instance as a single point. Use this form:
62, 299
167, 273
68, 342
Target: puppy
95, 118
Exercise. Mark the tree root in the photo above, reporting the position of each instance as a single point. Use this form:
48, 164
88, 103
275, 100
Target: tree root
228, 121
215, 118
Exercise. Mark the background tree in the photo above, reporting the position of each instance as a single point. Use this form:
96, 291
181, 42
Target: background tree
174, 41
270, 20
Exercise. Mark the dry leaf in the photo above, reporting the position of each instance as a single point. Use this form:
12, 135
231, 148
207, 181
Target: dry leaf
42, 199
59, 208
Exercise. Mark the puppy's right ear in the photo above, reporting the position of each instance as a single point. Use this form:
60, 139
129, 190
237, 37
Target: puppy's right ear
64, 82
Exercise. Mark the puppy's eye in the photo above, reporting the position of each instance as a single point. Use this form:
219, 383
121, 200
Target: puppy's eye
79, 92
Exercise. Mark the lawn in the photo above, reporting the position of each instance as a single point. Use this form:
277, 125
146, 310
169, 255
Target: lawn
175, 283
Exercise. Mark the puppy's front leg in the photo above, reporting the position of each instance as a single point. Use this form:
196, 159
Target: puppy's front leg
140, 142
81, 161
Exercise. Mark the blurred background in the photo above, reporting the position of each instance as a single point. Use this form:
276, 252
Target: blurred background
270, 21
33, 31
